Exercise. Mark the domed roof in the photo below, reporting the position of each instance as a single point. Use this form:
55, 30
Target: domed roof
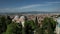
22, 17
16, 17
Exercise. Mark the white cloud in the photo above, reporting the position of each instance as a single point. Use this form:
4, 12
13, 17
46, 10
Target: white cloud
35, 5
53, 2
31, 6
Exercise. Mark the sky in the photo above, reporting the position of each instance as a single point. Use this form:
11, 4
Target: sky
8, 6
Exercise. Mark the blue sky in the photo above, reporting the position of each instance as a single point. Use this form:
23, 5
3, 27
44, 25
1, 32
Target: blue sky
29, 5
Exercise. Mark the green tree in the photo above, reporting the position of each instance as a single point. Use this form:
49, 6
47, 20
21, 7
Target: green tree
49, 24
14, 28
29, 26
36, 21
3, 25
8, 20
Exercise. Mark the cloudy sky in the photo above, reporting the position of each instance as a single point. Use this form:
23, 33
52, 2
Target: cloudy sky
29, 5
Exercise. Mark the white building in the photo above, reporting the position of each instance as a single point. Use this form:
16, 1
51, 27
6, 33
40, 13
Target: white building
18, 19
58, 26
22, 19
15, 18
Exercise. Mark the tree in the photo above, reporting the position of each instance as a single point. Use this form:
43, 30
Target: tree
29, 26
36, 21
14, 28
3, 25
8, 20
49, 24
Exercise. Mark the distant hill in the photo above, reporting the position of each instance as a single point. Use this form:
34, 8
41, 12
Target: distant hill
37, 12
31, 12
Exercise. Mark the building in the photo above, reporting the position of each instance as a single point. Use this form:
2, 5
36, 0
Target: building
18, 19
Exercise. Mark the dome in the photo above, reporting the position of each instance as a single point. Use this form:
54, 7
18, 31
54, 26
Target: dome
22, 17
16, 17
